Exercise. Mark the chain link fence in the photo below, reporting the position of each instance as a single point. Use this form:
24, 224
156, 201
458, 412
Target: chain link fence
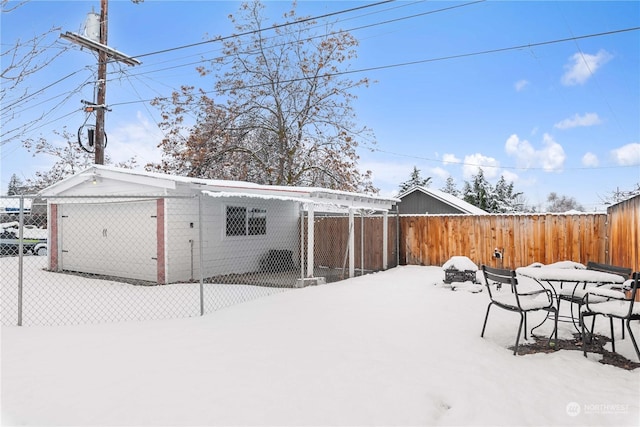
77, 260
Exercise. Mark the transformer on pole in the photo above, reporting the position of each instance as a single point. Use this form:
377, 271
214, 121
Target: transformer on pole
96, 28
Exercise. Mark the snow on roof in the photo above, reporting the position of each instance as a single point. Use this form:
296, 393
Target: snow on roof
337, 197
320, 206
447, 198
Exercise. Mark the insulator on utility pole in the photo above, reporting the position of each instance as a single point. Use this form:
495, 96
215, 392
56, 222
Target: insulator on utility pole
105, 53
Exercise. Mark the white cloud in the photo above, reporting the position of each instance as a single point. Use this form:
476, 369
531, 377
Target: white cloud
590, 160
588, 119
520, 85
474, 162
387, 173
510, 176
138, 139
521, 150
440, 173
582, 66
550, 157
450, 159
627, 155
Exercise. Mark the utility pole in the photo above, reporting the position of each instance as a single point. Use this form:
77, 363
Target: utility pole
102, 86
105, 53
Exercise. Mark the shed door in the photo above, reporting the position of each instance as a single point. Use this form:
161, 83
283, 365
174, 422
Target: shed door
115, 239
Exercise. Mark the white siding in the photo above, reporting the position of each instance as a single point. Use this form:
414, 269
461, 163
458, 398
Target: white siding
224, 254
240, 254
180, 215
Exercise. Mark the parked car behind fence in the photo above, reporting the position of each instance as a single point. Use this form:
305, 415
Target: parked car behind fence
10, 244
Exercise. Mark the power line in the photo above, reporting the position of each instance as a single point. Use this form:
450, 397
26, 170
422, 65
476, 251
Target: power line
491, 51
7, 107
349, 30
274, 27
424, 61
30, 126
283, 25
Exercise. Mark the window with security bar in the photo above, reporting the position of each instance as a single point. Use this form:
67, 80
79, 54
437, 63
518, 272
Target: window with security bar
242, 221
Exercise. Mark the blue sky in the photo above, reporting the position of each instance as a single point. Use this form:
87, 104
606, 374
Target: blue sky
491, 84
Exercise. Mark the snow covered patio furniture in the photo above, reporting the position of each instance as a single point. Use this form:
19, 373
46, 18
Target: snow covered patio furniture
517, 300
565, 280
576, 295
616, 306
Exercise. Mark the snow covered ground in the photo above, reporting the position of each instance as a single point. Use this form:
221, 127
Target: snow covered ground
393, 348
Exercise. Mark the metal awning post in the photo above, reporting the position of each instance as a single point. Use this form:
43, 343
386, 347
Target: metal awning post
385, 240
362, 242
352, 245
310, 240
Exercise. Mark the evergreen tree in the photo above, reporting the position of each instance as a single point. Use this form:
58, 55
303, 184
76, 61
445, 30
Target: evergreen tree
505, 199
415, 180
16, 186
479, 193
498, 199
450, 187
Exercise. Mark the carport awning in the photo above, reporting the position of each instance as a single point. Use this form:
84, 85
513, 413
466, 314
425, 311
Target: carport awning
319, 204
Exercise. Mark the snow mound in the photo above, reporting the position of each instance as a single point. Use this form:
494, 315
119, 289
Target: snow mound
461, 263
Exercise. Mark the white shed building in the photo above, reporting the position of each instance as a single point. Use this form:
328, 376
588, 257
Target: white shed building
161, 228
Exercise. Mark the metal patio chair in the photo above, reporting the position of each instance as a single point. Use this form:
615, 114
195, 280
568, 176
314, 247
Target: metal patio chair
575, 295
517, 300
624, 307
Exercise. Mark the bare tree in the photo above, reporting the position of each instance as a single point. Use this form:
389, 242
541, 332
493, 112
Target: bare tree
619, 195
287, 119
22, 59
557, 203
69, 157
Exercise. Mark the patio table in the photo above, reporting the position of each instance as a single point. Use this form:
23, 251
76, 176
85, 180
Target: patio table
555, 278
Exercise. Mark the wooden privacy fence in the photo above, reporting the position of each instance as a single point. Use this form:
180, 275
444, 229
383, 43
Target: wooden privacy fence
331, 241
520, 239
612, 238
624, 233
